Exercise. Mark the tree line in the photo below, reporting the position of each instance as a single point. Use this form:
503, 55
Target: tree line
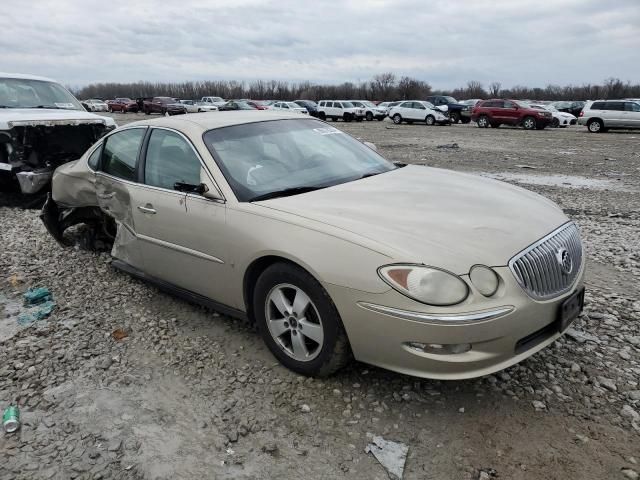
382, 87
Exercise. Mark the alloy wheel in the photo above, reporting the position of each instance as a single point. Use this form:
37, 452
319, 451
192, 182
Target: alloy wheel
294, 322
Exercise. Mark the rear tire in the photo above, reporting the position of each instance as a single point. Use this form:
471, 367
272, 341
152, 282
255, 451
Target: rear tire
455, 117
595, 126
322, 116
369, 116
483, 121
430, 120
347, 117
322, 339
529, 123
397, 119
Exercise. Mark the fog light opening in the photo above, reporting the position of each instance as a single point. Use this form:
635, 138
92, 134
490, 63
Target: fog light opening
440, 348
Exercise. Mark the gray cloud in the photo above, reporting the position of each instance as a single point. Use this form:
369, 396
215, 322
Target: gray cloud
446, 43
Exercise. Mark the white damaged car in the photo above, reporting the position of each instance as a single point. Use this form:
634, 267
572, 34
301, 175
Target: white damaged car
559, 119
42, 126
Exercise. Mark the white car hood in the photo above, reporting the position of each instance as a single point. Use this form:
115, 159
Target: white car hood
12, 117
432, 216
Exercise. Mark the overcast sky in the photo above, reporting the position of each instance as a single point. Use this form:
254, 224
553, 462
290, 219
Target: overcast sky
447, 43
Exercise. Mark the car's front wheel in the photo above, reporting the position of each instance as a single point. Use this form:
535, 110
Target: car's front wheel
483, 121
430, 120
397, 119
555, 123
322, 116
369, 116
299, 322
455, 117
529, 123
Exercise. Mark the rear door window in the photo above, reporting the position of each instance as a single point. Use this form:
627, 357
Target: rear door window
632, 107
598, 106
170, 159
120, 154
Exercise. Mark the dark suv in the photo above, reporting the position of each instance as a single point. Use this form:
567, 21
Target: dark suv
496, 112
453, 107
164, 105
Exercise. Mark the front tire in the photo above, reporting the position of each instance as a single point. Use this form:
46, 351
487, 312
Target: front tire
299, 322
397, 119
529, 123
430, 120
555, 123
595, 126
347, 117
455, 117
483, 121
322, 116
369, 116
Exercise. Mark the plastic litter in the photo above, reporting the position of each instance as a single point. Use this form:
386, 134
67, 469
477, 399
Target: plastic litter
391, 455
39, 303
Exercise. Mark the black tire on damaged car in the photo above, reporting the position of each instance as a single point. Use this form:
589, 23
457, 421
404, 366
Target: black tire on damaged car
455, 117
335, 352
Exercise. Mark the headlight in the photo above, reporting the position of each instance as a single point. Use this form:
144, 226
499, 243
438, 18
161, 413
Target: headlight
425, 284
484, 279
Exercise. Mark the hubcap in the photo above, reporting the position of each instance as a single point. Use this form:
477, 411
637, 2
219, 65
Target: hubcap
595, 126
294, 322
528, 123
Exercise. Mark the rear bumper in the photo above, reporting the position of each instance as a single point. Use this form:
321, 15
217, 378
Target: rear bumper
506, 332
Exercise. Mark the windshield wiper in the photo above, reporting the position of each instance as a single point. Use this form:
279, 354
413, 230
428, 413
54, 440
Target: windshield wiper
286, 192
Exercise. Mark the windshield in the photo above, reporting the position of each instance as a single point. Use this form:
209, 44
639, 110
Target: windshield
521, 104
22, 93
347, 104
367, 103
293, 105
264, 157
187, 102
450, 99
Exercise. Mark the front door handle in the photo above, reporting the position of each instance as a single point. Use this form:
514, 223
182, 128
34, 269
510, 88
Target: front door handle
147, 209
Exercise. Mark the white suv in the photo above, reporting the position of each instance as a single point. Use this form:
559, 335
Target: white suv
601, 115
371, 110
335, 109
418, 111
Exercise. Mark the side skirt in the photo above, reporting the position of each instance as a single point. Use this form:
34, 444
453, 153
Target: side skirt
180, 292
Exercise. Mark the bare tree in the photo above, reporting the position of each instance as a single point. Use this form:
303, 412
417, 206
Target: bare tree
494, 89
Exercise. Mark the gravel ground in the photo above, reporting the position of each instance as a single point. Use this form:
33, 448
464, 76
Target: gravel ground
188, 393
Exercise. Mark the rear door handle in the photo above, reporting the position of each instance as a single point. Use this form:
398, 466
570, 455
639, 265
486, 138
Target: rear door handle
147, 209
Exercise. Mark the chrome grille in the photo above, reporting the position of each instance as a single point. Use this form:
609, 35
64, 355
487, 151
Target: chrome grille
539, 268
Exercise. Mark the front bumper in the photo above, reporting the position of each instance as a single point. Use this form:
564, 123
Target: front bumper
503, 331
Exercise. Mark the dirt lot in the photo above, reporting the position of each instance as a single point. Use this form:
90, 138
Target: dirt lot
191, 394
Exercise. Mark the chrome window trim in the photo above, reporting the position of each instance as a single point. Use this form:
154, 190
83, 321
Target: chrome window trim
439, 319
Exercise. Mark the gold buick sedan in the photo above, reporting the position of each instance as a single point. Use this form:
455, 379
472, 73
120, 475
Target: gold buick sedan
334, 252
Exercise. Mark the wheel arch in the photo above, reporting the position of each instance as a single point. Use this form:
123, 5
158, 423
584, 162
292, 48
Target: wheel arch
257, 267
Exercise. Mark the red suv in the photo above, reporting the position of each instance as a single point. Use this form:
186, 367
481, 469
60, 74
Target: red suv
496, 112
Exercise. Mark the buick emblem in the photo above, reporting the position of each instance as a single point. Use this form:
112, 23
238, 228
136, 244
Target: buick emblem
564, 260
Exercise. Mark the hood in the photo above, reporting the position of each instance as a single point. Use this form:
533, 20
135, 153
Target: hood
14, 117
432, 216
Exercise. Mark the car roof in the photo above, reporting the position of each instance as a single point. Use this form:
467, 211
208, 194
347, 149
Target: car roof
26, 76
205, 122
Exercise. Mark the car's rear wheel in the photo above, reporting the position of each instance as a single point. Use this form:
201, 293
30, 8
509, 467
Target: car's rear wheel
555, 123
322, 116
455, 117
397, 119
483, 121
347, 117
299, 322
430, 120
369, 116
595, 126
529, 123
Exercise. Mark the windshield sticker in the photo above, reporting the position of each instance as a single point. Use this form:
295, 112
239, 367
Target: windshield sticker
327, 130
70, 106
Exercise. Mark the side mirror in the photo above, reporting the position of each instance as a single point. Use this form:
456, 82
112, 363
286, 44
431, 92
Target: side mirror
200, 189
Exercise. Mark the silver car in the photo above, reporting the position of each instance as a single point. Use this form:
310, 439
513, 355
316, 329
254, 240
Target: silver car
333, 251
601, 115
